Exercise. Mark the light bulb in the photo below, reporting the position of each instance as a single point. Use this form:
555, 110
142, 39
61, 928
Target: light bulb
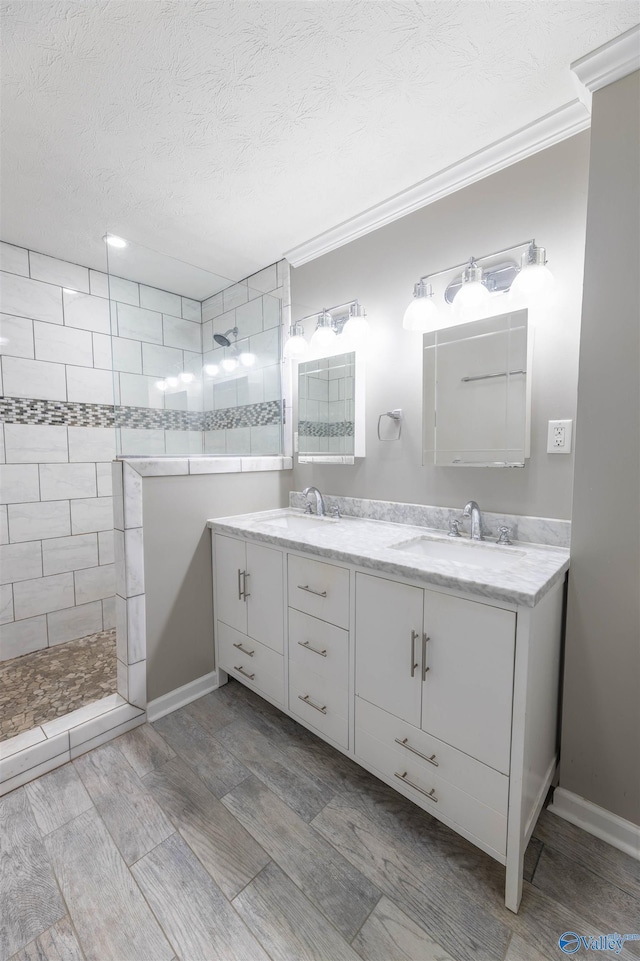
172, 381
355, 329
114, 241
161, 385
422, 314
323, 338
211, 369
247, 359
186, 377
229, 364
535, 285
296, 348
473, 299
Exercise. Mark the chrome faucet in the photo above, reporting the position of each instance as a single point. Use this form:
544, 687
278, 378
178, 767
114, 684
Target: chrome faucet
320, 511
473, 511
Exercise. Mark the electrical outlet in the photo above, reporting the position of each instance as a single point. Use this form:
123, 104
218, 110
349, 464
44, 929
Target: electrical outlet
559, 437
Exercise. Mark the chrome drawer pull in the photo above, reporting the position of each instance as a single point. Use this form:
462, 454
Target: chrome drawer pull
315, 650
239, 584
428, 794
414, 663
425, 666
244, 673
241, 648
306, 587
245, 592
307, 700
404, 743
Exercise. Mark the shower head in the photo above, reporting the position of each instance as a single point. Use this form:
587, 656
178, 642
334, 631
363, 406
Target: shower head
223, 339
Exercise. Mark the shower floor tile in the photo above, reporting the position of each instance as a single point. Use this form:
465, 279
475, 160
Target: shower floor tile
39, 687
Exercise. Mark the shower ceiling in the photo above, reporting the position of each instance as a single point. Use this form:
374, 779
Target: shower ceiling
225, 133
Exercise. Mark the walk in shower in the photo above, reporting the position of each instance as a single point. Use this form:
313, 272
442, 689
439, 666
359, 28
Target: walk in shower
148, 357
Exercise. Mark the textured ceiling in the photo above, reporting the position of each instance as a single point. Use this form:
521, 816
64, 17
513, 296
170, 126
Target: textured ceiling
227, 132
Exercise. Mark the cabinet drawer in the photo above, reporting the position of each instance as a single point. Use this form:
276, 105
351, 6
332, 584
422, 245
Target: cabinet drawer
319, 647
319, 589
326, 707
472, 777
251, 662
433, 793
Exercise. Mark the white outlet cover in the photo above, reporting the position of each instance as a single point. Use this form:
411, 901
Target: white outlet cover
556, 428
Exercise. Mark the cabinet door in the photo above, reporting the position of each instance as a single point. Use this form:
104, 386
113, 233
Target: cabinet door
387, 659
468, 689
230, 559
265, 598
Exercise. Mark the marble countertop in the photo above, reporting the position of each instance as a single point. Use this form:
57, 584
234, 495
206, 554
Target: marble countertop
370, 544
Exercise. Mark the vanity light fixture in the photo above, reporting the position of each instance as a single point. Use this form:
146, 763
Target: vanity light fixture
346, 321
325, 333
474, 289
355, 329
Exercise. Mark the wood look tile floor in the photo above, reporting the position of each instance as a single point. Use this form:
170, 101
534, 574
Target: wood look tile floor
227, 832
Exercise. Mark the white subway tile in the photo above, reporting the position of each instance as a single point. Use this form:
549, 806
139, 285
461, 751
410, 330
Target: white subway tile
183, 442
162, 300
23, 637
43, 594
87, 312
20, 562
132, 493
19, 483
58, 481
127, 355
191, 310
137, 684
33, 378
62, 345
108, 613
4, 526
30, 443
90, 386
238, 441
63, 554
214, 443
212, 306
215, 465
271, 312
102, 357
59, 272
131, 625
129, 562
105, 547
29, 298
117, 495
207, 336
34, 757
235, 295
249, 318
92, 514
99, 283
30, 522
265, 439
142, 442
103, 476
139, 324
181, 333
271, 379
266, 347
161, 361
74, 622
265, 280
91, 444
16, 336
124, 291
224, 322
94, 583
6, 604
15, 260
137, 390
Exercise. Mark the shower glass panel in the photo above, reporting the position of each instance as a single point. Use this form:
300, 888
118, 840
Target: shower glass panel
196, 358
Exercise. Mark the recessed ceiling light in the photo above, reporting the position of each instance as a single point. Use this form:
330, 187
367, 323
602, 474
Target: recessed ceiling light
114, 241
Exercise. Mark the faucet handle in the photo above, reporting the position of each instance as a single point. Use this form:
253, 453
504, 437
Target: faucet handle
454, 527
307, 508
505, 535
335, 512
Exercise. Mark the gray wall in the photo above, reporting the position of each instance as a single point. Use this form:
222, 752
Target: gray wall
542, 197
177, 561
601, 728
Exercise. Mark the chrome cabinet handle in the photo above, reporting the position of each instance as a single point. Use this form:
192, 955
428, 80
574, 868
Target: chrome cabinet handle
425, 666
241, 648
308, 647
316, 707
431, 795
239, 584
245, 592
405, 743
306, 587
414, 663
244, 673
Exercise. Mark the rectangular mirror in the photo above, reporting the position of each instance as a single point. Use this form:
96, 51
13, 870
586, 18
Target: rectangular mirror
477, 392
331, 409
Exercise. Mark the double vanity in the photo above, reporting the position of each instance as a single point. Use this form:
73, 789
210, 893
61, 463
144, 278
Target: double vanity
431, 660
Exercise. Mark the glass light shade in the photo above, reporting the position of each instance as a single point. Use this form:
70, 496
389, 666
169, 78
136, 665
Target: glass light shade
186, 377
247, 359
355, 330
211, 369
534, 286
296, 347
324, 338
172, 381
472, 301
422, 315
229, 364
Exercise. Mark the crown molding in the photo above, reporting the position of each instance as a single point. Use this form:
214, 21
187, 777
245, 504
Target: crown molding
608, 63
554, 127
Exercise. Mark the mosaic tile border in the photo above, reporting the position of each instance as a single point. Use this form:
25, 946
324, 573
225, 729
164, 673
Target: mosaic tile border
59, 413
314, 428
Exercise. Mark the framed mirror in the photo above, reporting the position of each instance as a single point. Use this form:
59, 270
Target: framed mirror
477, 393
331, 409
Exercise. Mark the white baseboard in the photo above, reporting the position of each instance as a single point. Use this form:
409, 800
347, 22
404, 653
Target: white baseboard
181, 696
615, 830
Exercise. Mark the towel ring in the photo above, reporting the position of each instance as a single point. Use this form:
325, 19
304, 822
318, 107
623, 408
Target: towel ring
396, 417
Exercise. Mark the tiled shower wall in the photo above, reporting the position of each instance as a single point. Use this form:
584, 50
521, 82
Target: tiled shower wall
58, 432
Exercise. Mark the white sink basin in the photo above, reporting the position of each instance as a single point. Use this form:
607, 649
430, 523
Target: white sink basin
488, 557
297, 523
